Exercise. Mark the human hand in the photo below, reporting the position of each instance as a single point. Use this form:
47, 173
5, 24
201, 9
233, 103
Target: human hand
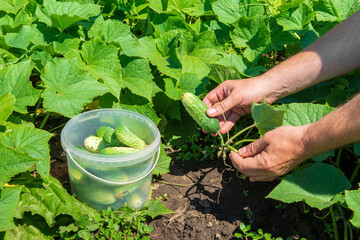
234, 98
273, 155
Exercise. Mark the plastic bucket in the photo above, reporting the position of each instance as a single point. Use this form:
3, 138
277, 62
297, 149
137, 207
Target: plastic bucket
110, 180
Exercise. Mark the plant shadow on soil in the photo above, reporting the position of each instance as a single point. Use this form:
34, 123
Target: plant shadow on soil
209, 201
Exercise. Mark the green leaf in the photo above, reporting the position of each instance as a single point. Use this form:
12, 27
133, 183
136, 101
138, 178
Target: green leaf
296, 18
353, 201
333, 10
136, 76
238, 62
7, 102
9, 199
259, 44
101, 61
266, 117
172, 89
67, 88
25, 232
6, 58
357, 149
113, 31
298, 114
13, 162
158, 6
194, 8
189, 82
31, 141
230, 12
15, 80
12, 6
156, 208
245, 30
338, 96
61, 15
316, 185
163, 164
145, 110
280, 38
27, 34
167, 63
50, 199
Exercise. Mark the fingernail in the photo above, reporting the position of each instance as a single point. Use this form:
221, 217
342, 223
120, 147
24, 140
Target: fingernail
211, 111
242, 150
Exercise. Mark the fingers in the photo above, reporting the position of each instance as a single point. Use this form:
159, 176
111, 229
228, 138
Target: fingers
220, 107
253, 148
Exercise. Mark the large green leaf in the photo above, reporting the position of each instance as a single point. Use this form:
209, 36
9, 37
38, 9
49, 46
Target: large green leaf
9, 198
25, 232
61, 15
259, 44
316, 185
298, 114
27, 34
15, 80
230, 11
12, 6
31, 141
191, 7
145, 110
113, 31
245, 30
158, 6
352, 199
101, 61
280, 38
49, 199
13, 162
136, 76
6, 58
7, 102
296, 18
67, 88
333, 10
168, 64
266, 117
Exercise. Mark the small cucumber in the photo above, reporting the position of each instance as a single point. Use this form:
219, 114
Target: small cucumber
100, 196
111, 139
117, 150
134, 201
197, 110
94, 144
101, 131
127, 137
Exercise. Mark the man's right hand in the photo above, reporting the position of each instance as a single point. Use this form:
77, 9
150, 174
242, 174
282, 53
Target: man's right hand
233, 99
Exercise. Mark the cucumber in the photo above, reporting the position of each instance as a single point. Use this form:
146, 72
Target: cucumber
117, 150
100, 196
94, 144
134, 201
111, 139
197, 110
101, 131
127, 137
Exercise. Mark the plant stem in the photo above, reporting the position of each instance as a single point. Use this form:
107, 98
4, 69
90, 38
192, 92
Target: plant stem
336, 234
45, 119
338, 157
238, 133
36, 108
356, 170
244, 140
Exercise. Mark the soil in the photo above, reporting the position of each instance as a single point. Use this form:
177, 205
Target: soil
210, 201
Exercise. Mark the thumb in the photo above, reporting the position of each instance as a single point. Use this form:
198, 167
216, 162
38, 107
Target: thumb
253, 148
221, 107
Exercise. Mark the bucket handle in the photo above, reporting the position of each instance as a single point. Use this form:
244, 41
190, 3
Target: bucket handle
111, 182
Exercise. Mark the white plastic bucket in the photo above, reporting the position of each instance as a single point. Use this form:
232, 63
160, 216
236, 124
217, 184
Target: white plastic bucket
110, 180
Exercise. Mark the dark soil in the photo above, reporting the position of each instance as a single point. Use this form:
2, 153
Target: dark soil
209, 201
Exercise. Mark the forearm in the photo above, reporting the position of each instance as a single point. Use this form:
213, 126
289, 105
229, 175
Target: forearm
336, 129
334, 54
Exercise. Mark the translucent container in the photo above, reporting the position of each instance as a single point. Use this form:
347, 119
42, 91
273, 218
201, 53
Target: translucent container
110, 180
